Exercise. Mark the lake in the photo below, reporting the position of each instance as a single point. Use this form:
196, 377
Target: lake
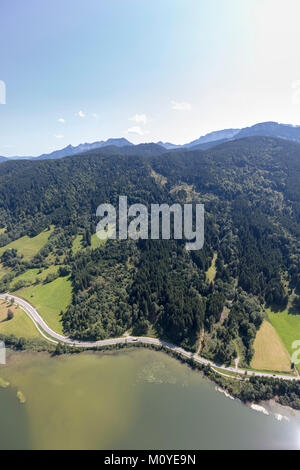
133, 399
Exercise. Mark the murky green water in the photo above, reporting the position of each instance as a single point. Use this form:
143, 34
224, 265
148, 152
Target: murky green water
133, 399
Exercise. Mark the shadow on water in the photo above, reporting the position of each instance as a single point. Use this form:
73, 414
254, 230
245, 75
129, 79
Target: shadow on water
14, 423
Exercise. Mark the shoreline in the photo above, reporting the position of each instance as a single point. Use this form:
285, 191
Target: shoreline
207, 372
62, 343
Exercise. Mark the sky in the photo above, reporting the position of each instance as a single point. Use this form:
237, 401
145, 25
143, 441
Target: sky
85, 70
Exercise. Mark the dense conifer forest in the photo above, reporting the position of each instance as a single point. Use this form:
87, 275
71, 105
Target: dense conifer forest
250, 189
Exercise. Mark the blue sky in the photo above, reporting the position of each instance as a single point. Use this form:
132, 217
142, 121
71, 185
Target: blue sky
85, 70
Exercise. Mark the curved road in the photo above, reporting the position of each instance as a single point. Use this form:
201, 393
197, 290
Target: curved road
54, 337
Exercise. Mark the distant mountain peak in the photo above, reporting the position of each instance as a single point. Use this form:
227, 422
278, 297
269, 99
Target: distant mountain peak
168, 145
271, 129
118, 142
213, 137
81, 148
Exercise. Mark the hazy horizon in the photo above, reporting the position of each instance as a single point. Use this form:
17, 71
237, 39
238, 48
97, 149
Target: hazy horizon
167, 70
131, 140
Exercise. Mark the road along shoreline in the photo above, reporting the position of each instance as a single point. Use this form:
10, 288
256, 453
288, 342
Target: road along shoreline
55, 338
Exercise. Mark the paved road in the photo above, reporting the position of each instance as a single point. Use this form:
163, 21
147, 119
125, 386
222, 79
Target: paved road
54, 337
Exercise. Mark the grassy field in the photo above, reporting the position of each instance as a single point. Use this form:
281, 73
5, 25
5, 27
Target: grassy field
28, 247
96, 242
270, 352
287, 326
49, 300
211, 272
4, 270
77, 244
31, 275
20, 325
28, 276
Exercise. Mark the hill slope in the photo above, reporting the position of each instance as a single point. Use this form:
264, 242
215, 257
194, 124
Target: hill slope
250, 188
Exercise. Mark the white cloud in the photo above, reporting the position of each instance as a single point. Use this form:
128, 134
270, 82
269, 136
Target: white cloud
61, 120
59, 136
181, 106
80, 114
139, 118
135, 130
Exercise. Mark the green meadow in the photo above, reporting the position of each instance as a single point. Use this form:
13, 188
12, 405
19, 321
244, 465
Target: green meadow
28, 247
49, 300
287, 326
31, 276
20, 325
3, 270
212, 271
77, 244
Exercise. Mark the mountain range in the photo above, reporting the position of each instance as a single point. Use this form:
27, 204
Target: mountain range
264, 129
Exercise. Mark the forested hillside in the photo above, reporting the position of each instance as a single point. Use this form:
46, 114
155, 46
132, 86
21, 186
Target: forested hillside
251, 191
